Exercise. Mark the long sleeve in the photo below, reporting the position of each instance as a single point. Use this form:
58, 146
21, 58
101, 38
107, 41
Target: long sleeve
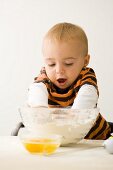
37, 95
87, 98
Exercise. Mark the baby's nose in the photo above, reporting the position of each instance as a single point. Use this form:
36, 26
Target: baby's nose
59, 69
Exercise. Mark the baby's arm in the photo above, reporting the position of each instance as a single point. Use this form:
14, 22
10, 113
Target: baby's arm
87, 98
37, 95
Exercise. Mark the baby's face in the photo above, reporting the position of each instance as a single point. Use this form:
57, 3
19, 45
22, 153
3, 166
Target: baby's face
63, 62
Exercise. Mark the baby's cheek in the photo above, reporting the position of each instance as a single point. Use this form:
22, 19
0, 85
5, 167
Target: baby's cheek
51, 76
72, 78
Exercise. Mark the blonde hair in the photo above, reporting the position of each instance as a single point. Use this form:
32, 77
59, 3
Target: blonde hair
67, 32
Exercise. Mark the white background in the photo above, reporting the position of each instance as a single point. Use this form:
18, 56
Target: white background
23, 23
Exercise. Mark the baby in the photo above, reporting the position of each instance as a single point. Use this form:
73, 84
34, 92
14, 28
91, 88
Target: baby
65, 80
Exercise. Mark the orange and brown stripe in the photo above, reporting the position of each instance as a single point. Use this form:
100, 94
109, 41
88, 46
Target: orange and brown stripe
100, 130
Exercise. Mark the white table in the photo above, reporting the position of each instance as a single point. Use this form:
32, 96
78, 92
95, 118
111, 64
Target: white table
88, 155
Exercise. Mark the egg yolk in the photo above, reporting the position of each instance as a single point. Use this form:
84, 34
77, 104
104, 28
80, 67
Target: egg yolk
46, 146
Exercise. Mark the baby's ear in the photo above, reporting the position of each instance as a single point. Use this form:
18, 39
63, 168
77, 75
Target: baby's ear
86, 61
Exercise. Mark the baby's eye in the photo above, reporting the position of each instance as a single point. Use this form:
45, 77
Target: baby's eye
51, 65
68, 64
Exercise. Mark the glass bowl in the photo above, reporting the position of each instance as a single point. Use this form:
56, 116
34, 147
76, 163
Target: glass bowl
39, 144
71, 124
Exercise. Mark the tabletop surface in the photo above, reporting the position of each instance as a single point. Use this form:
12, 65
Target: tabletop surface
85, 155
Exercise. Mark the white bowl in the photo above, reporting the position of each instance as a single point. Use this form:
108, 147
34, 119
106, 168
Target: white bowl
71, 124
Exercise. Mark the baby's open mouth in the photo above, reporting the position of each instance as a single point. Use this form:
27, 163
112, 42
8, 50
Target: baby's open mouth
61, 80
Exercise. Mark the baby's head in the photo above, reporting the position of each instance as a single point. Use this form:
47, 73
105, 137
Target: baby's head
65, 52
